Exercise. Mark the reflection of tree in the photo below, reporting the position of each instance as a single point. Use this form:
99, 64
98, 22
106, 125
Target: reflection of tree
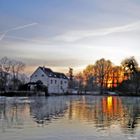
107, 111
132, 114
12, 114
45, 109
16, 112
103, 111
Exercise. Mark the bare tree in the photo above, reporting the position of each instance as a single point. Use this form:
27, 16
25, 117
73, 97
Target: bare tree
80, 79
88, 76
102, 70
70, 78
16, 68
116, 76
10, 68
5, 66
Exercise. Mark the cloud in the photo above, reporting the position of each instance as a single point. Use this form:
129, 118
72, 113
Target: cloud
23, 26
3, 34
36, 41
77, 35
55, 62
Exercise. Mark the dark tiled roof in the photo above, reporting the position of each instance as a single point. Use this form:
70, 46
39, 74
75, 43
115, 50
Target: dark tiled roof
47, 71
60, 75
52, 74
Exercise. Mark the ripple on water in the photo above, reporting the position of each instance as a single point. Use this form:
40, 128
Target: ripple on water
71, 118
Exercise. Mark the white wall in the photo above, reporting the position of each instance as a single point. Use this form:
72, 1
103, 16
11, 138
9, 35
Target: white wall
39, 75
63, 85
55, 85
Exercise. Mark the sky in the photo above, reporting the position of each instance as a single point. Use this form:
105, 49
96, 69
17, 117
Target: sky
69, 33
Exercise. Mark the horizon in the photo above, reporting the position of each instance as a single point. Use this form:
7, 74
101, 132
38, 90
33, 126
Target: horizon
63, 34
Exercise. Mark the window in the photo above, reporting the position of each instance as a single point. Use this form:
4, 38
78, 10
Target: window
65, 82
55, 81
51, 81
35, 75
42, 75
61, 82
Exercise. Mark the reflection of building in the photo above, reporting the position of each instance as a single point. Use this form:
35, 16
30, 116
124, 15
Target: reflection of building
45, 109
103, 112
18, 112
56, 82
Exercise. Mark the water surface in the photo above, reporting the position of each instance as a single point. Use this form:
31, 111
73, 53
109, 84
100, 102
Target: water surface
70, 118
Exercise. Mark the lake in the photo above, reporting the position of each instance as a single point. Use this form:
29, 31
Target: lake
70, 118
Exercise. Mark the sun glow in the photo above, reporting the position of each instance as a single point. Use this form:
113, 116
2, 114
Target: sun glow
109, 102
115, 79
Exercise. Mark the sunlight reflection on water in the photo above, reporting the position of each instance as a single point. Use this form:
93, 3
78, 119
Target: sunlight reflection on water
70, 117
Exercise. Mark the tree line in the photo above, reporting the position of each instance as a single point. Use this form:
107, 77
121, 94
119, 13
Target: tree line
101, 76
104, 75
10, 73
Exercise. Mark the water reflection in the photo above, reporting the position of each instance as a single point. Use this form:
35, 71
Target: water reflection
45, 109
102, 112
107, 111
131, 118
20, 112
12, 114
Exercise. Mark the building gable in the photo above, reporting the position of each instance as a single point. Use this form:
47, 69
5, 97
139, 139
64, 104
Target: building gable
55, 81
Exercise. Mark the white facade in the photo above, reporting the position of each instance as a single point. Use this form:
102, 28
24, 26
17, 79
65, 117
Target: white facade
56, 82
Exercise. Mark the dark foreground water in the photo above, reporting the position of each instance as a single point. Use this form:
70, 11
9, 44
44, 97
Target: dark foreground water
70, 118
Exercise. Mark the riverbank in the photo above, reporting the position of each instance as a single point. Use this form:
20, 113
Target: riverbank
22, 93
41, 93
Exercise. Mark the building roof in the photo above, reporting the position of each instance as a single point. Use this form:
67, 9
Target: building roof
52, 74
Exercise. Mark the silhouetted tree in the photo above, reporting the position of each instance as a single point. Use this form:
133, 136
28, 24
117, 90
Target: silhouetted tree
16, 68
5, 67
70, 78
102, 69
12, 68
117, 76
131, 70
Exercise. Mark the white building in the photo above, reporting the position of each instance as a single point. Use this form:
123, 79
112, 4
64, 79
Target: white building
56, 82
